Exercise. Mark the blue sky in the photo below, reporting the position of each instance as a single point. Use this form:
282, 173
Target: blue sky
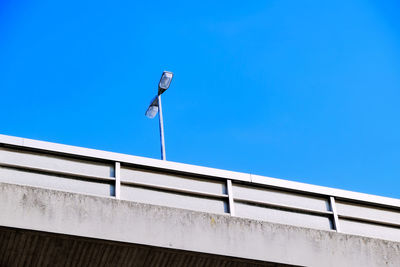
301, 90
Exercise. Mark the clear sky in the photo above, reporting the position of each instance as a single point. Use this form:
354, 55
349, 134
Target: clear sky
301, 90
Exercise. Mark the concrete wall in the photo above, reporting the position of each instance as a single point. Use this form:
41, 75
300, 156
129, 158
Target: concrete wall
257, 198
176, 185
118, 220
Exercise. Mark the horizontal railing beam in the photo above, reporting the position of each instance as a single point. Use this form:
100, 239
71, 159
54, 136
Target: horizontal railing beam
175, 189
371, 221
282, 206
56, 172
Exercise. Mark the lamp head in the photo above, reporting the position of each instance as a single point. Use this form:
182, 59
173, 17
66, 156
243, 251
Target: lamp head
152, 110
165, 81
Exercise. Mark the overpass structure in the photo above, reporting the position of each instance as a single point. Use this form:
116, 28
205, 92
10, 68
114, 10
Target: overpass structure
69, 206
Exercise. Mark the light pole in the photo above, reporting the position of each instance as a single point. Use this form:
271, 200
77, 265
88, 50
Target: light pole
156, 107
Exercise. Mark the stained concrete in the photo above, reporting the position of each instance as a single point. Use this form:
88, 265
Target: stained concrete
64, 213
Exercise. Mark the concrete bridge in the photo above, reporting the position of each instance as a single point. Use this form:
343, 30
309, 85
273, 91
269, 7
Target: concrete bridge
69, 206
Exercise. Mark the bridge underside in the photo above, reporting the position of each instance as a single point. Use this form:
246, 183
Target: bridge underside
33, 248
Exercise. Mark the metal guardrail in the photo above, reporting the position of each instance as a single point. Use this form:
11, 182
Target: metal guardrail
88, 171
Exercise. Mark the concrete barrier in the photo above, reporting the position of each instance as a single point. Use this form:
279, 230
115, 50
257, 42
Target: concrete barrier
107, 218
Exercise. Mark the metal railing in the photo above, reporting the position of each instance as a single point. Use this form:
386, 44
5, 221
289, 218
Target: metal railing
88, 171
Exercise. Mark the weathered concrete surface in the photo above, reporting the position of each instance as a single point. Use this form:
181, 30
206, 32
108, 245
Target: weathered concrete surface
109, 219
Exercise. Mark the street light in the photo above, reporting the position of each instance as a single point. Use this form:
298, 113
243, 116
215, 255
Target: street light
156, 107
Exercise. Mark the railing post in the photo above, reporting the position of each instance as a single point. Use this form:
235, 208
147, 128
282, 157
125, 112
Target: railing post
230, 197
117, 180
335, 214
